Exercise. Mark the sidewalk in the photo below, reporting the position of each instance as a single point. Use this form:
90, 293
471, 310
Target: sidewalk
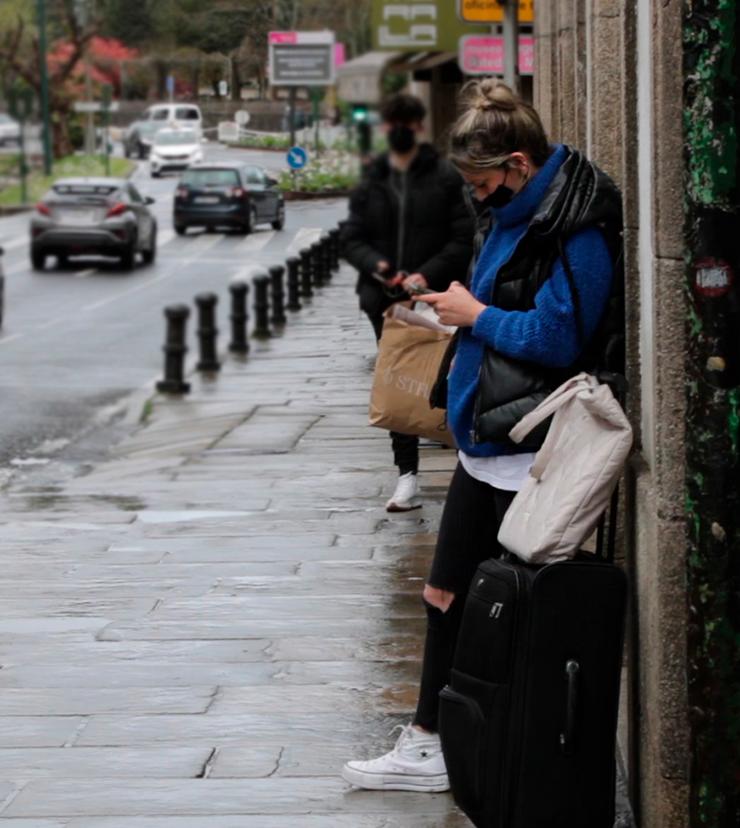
200, 631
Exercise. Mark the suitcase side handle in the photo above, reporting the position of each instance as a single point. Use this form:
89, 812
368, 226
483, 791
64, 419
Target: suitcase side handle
567, 737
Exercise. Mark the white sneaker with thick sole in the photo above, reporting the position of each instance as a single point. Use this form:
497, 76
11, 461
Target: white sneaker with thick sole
416, 763
404, 499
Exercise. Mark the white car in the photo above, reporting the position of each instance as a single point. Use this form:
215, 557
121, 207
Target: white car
174, 149
137, 139
10, 130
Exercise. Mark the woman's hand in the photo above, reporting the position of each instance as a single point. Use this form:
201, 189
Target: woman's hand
456, 306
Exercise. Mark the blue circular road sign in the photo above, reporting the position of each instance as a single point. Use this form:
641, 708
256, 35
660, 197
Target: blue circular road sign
297, 158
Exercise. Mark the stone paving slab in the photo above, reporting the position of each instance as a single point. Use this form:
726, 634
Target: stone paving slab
207, 797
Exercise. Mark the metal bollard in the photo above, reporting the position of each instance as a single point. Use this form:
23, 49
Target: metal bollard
278, 295
306, 273
334, 248
317, 265
325, 243
239, 317
175, 350
261, 307
207, 332
294, 285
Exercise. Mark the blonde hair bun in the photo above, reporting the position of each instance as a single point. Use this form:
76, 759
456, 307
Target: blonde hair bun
491, 93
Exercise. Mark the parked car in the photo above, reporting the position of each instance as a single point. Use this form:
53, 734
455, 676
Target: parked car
10, 130
93, 216
2, 288
174, 149
233, 195
137, 140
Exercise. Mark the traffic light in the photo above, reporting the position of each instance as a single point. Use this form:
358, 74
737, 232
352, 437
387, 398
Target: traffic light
360, 113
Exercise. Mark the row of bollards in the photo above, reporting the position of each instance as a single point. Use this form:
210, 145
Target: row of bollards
311, 269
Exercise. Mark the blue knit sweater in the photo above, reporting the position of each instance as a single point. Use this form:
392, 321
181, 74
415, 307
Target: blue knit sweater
546, 334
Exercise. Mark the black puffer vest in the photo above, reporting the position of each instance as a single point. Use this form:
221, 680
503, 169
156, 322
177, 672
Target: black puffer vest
580, 196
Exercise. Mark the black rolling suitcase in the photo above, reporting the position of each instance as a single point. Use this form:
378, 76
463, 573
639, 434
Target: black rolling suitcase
528, 720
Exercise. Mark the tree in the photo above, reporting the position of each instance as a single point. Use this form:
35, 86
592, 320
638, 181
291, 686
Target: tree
19, 60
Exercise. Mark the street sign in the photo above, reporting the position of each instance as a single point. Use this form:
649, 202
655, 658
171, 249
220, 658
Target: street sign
95, 106
170, 86
417, 25
297, 158
223, 88
492, 11
484, 55
301, 58
242, 117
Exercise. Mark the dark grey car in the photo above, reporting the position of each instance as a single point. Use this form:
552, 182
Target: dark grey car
93, 216
227, 195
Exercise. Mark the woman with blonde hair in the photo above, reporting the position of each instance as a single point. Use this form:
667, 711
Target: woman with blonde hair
534, 313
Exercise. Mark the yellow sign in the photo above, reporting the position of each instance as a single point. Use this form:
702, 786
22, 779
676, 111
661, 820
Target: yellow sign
492, 11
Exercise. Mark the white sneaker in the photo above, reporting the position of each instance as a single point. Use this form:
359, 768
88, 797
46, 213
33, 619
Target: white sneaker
404, 498
416, 763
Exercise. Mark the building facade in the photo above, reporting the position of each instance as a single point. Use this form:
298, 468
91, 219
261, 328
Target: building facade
649, 89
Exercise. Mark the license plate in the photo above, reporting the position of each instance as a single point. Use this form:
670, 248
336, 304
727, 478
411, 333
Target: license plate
78, 217
207, 200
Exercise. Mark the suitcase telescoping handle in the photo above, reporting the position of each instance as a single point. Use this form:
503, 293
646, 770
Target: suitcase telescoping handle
568, 736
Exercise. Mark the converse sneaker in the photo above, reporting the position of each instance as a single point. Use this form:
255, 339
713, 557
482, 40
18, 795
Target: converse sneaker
415, 764
404, 498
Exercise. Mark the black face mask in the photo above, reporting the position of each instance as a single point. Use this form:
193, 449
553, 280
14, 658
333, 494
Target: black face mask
500, 197
401, 138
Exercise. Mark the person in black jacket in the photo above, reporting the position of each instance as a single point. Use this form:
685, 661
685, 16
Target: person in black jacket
407, 222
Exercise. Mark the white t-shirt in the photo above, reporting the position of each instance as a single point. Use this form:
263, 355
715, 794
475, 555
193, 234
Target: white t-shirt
507, 472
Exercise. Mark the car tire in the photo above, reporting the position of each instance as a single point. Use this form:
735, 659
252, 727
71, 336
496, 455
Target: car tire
251, 224
279, 222
128, 256
38, 259
150, 254
141, 151
155, 174
126, 150
181, 229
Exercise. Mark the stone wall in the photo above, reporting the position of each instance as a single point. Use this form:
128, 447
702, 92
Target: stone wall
608, 78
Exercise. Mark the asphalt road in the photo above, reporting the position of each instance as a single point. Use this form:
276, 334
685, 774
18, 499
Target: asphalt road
76, 341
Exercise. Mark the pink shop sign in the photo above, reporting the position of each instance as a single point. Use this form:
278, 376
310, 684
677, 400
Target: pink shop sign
484, 55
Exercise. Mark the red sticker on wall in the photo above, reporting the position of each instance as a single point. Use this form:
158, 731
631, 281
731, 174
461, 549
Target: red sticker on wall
712, 277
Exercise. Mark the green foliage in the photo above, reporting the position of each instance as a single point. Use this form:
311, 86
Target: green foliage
73, 165
332, 172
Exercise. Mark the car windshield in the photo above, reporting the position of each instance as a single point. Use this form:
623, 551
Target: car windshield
172, 138
211, 178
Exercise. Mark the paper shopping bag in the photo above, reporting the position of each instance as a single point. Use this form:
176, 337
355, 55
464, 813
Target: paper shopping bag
409, 354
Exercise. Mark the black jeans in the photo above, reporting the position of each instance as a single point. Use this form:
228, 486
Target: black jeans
467, 536
405, 446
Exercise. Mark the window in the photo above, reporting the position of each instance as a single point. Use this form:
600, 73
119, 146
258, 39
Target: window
211, 178
167, 138
160, 115
255, 176
187, 113
135, 194
83, 189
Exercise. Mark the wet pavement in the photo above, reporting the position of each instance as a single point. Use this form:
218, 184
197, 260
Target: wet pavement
198, 632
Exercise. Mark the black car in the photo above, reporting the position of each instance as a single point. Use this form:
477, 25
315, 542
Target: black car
93, 216
227, 195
